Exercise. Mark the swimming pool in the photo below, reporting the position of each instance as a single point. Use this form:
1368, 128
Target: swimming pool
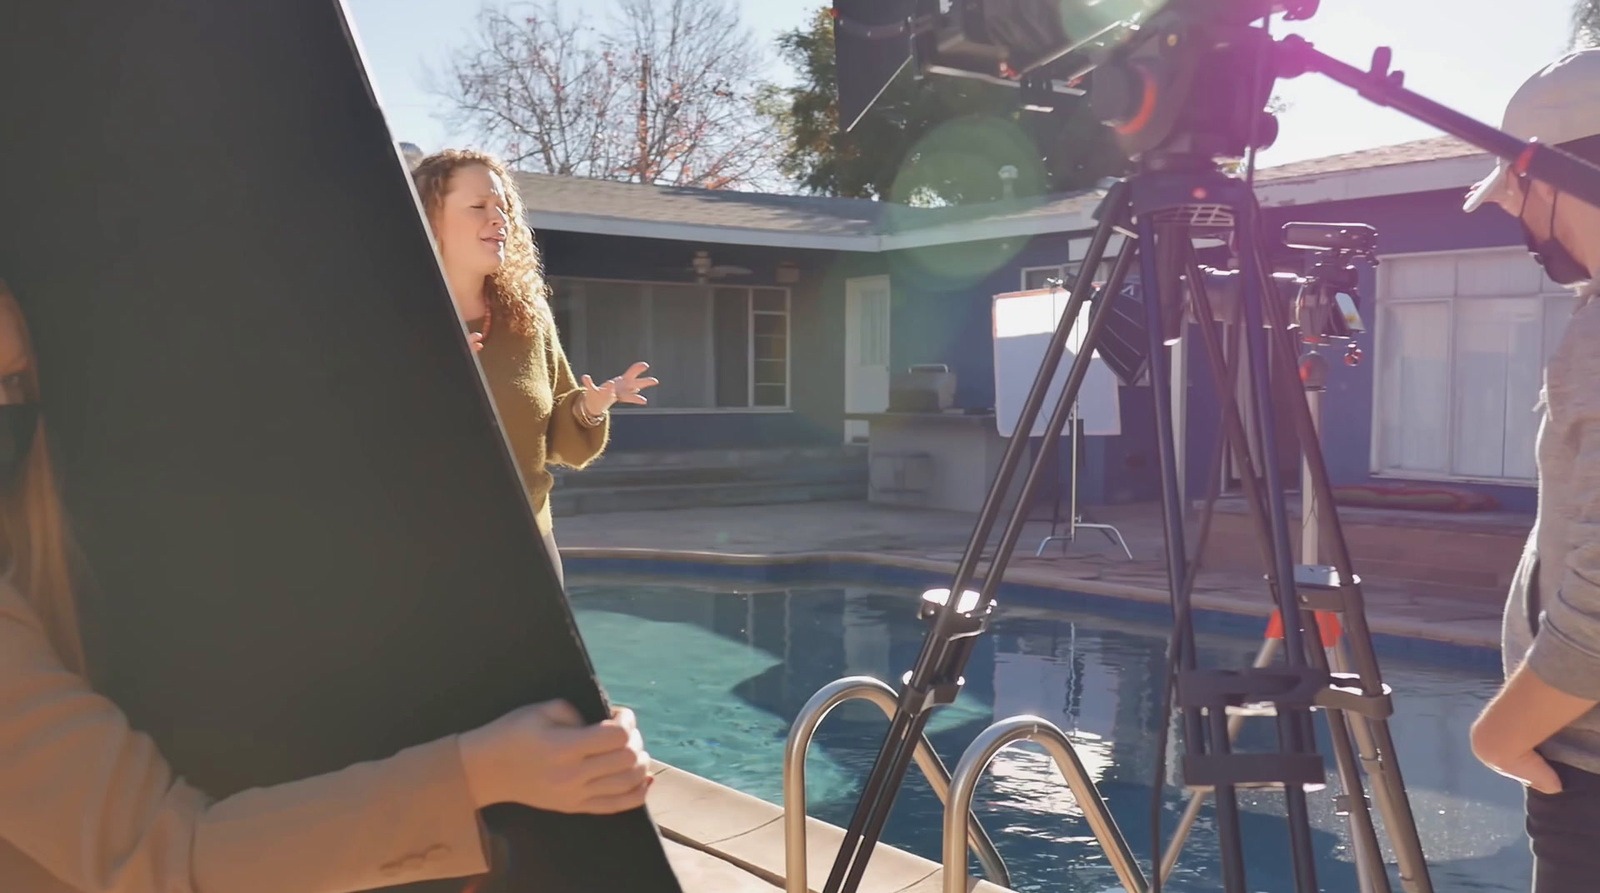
718, 676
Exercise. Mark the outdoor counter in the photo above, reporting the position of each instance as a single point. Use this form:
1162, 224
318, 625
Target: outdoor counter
937, 460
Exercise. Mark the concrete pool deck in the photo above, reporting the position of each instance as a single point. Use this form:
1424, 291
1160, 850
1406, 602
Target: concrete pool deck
930, 540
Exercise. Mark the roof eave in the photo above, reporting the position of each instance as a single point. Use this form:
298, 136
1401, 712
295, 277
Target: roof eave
1410, 178
687, 232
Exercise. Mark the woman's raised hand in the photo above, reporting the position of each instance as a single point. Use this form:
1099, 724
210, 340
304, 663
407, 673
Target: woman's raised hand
624, 388
544, 756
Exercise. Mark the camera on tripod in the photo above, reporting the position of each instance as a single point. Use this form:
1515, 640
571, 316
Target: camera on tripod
1177, 75
1318, 280
1320, 283
1329, 304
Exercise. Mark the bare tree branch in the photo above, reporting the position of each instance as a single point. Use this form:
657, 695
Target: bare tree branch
666, 92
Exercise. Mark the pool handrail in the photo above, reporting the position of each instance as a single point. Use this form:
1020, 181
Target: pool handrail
861, 688
975, 761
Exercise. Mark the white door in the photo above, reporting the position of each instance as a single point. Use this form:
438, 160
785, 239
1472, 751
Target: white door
866, 350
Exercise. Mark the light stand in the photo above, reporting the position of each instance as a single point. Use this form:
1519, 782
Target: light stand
1075, 520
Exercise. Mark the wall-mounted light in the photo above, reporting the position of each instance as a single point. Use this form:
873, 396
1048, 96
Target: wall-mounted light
788, 273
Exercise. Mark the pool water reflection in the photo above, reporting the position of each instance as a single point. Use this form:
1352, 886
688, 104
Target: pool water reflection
718, 677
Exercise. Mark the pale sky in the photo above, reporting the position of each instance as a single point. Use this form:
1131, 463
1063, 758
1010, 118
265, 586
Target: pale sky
1468, 54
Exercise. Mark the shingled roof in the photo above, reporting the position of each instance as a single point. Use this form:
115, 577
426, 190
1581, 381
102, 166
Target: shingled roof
1432, 149
605, 207
550, 194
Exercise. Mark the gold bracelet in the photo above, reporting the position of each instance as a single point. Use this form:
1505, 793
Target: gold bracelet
583, 416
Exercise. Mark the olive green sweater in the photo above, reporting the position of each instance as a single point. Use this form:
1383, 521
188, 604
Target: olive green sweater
534, 389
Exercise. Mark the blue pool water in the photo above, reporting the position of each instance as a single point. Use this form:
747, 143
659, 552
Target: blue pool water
718, 676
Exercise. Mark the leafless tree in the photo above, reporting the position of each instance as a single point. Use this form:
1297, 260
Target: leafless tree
662, 92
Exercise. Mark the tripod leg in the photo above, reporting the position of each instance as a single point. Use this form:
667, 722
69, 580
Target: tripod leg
1293, 723
1211, 729
1264, 657
1225, 376
1363, 835
936, 677
1379, 755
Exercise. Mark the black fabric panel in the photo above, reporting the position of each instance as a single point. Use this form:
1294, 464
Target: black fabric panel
306, 539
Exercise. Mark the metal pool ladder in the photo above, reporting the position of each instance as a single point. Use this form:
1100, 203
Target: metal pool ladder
975, 761
961, 828
866, 688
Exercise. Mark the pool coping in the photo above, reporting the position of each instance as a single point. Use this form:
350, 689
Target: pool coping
746, 834
1446, 641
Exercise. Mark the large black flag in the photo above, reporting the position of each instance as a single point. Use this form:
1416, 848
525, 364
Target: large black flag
308, 542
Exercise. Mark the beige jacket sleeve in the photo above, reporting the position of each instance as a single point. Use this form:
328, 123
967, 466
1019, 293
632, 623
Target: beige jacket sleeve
93, 803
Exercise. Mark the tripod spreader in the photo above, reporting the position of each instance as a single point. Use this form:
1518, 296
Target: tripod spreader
1263, 691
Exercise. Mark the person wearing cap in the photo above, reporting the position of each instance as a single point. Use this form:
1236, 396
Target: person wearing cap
1542, 728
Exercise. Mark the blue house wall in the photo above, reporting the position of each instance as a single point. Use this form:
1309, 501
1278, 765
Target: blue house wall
1406, 224
940, 313
815, 417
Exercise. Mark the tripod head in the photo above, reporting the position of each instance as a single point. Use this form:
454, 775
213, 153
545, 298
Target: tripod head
1178, 80
1193, 83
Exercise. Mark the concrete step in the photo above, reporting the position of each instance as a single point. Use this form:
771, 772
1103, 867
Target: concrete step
753, 456
565, 502
643, 481
832, 469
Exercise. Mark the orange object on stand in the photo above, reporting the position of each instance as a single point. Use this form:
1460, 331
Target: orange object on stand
1327, 623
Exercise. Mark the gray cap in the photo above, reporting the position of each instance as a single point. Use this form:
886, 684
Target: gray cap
1559, 104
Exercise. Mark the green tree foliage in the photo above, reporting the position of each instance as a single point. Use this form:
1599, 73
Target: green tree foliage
934, 141
1585, 24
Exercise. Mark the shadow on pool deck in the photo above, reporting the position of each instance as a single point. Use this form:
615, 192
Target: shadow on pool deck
930, 539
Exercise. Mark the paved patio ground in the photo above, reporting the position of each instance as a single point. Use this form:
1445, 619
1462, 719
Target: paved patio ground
931, 539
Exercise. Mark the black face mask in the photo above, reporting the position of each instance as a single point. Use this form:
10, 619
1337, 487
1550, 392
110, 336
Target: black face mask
18, 422
1558, 262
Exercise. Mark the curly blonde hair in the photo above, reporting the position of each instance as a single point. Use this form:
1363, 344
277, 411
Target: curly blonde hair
517, 291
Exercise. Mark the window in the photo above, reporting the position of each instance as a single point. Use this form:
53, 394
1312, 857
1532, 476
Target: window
1461, 343
712, 346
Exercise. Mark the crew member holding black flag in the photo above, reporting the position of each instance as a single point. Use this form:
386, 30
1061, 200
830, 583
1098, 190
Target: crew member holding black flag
88, 804
1542, 729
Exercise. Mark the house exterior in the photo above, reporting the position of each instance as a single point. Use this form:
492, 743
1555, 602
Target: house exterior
810, 303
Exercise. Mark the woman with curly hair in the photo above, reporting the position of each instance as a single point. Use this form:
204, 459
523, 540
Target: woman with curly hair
497, 283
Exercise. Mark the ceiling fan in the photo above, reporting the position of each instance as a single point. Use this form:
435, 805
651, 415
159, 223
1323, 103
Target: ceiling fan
704, 270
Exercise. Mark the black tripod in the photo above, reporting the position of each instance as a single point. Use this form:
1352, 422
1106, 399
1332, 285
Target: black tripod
1179, 96
1165, 207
